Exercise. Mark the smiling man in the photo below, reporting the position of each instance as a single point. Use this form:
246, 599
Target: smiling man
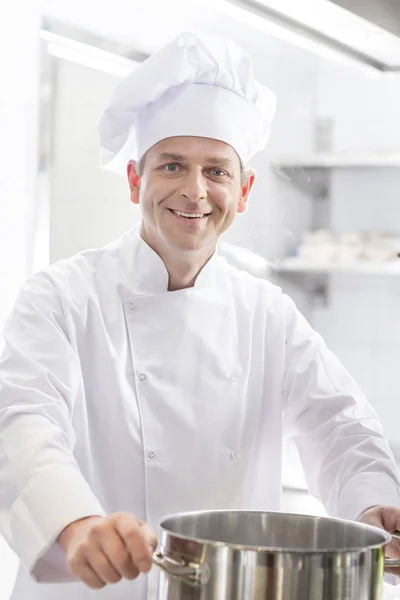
190, 190
150, 377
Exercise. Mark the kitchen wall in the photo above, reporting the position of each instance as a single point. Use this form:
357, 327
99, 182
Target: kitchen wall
89, 207
362, 320
18, 128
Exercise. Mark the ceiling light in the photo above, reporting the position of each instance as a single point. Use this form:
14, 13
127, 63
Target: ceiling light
88, 56
323, 28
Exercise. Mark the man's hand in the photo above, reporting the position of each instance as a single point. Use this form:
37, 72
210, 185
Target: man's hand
102, 550
387, 518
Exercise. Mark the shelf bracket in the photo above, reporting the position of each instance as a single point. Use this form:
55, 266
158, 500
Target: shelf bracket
320, 293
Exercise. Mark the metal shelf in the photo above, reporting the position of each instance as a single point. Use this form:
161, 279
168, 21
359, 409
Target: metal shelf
296, 265
335, 160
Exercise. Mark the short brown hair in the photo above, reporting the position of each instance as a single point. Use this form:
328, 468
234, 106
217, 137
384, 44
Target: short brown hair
140, 165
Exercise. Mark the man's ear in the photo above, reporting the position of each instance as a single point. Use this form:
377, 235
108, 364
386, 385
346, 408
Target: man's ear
245, 190
134, 181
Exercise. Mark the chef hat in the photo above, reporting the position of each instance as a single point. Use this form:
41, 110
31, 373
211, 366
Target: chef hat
194, 86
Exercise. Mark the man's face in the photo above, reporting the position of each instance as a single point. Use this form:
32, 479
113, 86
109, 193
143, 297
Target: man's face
190, 191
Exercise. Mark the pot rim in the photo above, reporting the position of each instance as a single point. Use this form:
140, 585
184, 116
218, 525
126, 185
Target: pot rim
386, 537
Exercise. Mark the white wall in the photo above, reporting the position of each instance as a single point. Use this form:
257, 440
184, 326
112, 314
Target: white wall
89, 206
18, 128
362, 321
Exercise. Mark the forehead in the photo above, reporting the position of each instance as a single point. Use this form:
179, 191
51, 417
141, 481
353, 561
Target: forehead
194, 149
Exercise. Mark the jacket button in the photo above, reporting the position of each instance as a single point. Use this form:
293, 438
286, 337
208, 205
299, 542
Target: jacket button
131, 306
233, 377
142, 376
152, 454
233, 456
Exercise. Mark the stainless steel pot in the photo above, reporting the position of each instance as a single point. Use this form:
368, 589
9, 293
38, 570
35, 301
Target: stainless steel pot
242, 555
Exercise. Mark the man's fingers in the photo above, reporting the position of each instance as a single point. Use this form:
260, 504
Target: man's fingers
139, 539
389, 517
108, 549
102, 567
85, 573
90, 561
119, 556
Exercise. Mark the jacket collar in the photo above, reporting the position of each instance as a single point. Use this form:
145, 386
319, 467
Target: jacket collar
151, 276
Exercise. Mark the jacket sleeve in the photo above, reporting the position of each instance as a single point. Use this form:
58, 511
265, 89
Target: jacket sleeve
41, 487
347, 461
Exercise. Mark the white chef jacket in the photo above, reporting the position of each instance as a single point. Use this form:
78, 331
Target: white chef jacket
118, 395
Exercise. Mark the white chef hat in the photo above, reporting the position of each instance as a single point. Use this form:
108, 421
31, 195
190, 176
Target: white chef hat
194, 86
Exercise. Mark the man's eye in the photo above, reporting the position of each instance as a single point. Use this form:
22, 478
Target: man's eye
218, 172
171, 167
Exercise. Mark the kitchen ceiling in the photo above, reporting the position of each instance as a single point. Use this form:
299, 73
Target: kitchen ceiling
383, 13
366, 31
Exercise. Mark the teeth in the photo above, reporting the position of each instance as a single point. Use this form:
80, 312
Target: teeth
188, 215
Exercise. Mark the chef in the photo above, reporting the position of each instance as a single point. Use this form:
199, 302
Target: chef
150, 377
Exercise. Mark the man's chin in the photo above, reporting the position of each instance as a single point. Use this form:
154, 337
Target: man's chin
186, 243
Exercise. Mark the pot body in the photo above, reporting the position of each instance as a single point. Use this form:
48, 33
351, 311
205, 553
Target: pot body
240, 555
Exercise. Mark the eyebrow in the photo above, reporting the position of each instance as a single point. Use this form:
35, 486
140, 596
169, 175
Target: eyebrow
213, 160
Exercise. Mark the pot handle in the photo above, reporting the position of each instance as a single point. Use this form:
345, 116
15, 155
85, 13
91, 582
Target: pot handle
393, 562
190, 573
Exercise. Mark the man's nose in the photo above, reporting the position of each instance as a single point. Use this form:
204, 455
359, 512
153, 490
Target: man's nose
194, 186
